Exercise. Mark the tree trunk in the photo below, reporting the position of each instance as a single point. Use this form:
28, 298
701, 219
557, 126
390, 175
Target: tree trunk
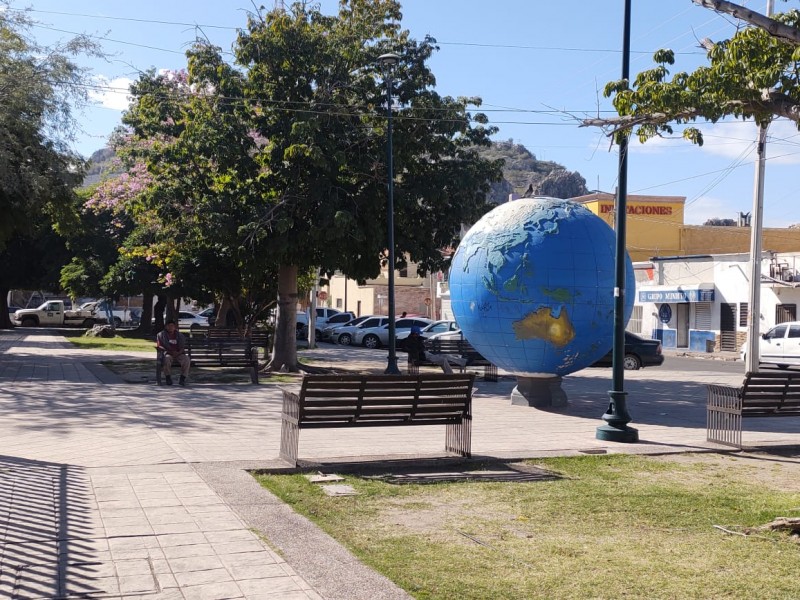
5, 320
229, 315
284, 353
145, 325
158, 309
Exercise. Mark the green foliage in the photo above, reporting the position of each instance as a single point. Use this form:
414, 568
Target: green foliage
39, 86
754, 74
277, 162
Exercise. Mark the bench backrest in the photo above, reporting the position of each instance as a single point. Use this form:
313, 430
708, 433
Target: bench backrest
359, 400
774, 391
453, 346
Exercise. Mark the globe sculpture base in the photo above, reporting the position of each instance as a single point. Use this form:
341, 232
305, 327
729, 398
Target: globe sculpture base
539, 392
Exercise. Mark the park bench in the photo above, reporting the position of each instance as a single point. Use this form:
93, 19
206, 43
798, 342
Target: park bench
260, 338
218, 352
456, 347
762, 394
332, 401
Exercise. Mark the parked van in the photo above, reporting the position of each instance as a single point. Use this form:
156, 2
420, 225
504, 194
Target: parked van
779, 346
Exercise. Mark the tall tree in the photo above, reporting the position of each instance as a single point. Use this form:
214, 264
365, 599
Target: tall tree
282, 156
754, 74
38, 171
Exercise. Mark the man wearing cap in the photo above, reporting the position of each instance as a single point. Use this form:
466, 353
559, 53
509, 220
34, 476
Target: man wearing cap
415, 346
172, 343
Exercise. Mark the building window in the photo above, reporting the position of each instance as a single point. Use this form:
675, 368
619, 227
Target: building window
743, 314
702, 316
635, 322
338, 303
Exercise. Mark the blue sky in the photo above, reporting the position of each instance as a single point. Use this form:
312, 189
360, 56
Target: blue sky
537, 65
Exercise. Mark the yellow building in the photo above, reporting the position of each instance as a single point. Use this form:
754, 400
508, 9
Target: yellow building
655, 227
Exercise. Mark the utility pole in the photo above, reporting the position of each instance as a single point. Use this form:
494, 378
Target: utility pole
756, 226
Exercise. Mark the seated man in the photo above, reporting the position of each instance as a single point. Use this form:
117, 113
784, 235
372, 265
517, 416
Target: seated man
415, 346
173, 343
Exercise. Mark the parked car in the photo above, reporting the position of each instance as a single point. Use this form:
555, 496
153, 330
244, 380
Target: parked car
331, 332
375, 337
430, 330
323, 317
345, 335
186, 319
639, 352
209, 314
779, 346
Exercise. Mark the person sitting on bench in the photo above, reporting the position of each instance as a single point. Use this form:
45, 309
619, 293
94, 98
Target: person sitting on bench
415, 346
173, 343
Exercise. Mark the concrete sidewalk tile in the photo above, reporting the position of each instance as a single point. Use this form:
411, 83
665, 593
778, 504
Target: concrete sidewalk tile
190, 550
131, 584
181, 539
213, 591
134, 566
198, 577
256, 571
248, 559
195, 563
239, 547
173, 528
284, 595
238, 535
270, 585
166, 581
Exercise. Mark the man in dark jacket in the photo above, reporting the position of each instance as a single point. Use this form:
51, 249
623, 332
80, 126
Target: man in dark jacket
415, 346
172, 343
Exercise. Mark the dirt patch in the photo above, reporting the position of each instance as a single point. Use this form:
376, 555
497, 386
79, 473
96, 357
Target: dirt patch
778, 471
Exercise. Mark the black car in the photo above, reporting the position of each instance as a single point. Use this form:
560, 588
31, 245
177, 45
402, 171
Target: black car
639, 352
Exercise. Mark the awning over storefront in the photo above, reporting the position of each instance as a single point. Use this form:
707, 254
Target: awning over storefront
701, 292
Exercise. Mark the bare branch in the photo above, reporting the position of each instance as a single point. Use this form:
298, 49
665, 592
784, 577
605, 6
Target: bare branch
771, 26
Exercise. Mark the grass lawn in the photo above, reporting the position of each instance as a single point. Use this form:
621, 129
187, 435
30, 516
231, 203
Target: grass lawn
610, 527
112, 344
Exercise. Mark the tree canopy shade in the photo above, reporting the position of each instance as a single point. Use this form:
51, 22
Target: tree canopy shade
276, 165
754, 74
38, 171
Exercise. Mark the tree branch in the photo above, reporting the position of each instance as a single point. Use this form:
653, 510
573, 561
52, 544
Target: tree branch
771, 26
773, 102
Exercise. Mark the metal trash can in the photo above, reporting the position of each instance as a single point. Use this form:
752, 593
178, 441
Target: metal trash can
710, 345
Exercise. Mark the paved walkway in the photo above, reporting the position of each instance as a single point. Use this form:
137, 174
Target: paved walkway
120, 490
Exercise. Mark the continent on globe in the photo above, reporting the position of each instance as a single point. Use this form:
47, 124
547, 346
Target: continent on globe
543, 325
532, 287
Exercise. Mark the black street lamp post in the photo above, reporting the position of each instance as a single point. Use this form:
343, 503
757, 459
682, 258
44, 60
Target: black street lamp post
617, 417
388, 62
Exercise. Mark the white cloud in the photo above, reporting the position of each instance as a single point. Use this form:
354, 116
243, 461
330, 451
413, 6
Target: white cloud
111, 93
732, 140
707, 207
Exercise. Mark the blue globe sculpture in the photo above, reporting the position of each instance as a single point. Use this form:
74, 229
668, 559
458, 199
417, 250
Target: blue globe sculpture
532, 287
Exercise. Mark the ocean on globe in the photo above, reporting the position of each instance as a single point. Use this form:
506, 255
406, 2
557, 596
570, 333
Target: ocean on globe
532, 287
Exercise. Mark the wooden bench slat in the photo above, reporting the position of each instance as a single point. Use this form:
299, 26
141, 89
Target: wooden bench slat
335, 401
762, 394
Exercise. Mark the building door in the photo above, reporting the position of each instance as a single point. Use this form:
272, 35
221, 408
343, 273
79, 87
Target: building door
727, 327
683, 325
785, 312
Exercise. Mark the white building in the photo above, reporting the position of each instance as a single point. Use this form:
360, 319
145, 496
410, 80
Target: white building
701, 302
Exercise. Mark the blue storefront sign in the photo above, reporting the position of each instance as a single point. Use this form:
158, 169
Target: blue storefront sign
673, 296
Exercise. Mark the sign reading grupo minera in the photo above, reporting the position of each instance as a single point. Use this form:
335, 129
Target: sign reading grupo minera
676, 296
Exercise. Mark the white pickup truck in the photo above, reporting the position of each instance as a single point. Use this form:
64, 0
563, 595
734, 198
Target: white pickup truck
53, 314
121, 316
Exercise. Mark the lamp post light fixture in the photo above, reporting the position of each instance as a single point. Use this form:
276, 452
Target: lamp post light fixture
387, 63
